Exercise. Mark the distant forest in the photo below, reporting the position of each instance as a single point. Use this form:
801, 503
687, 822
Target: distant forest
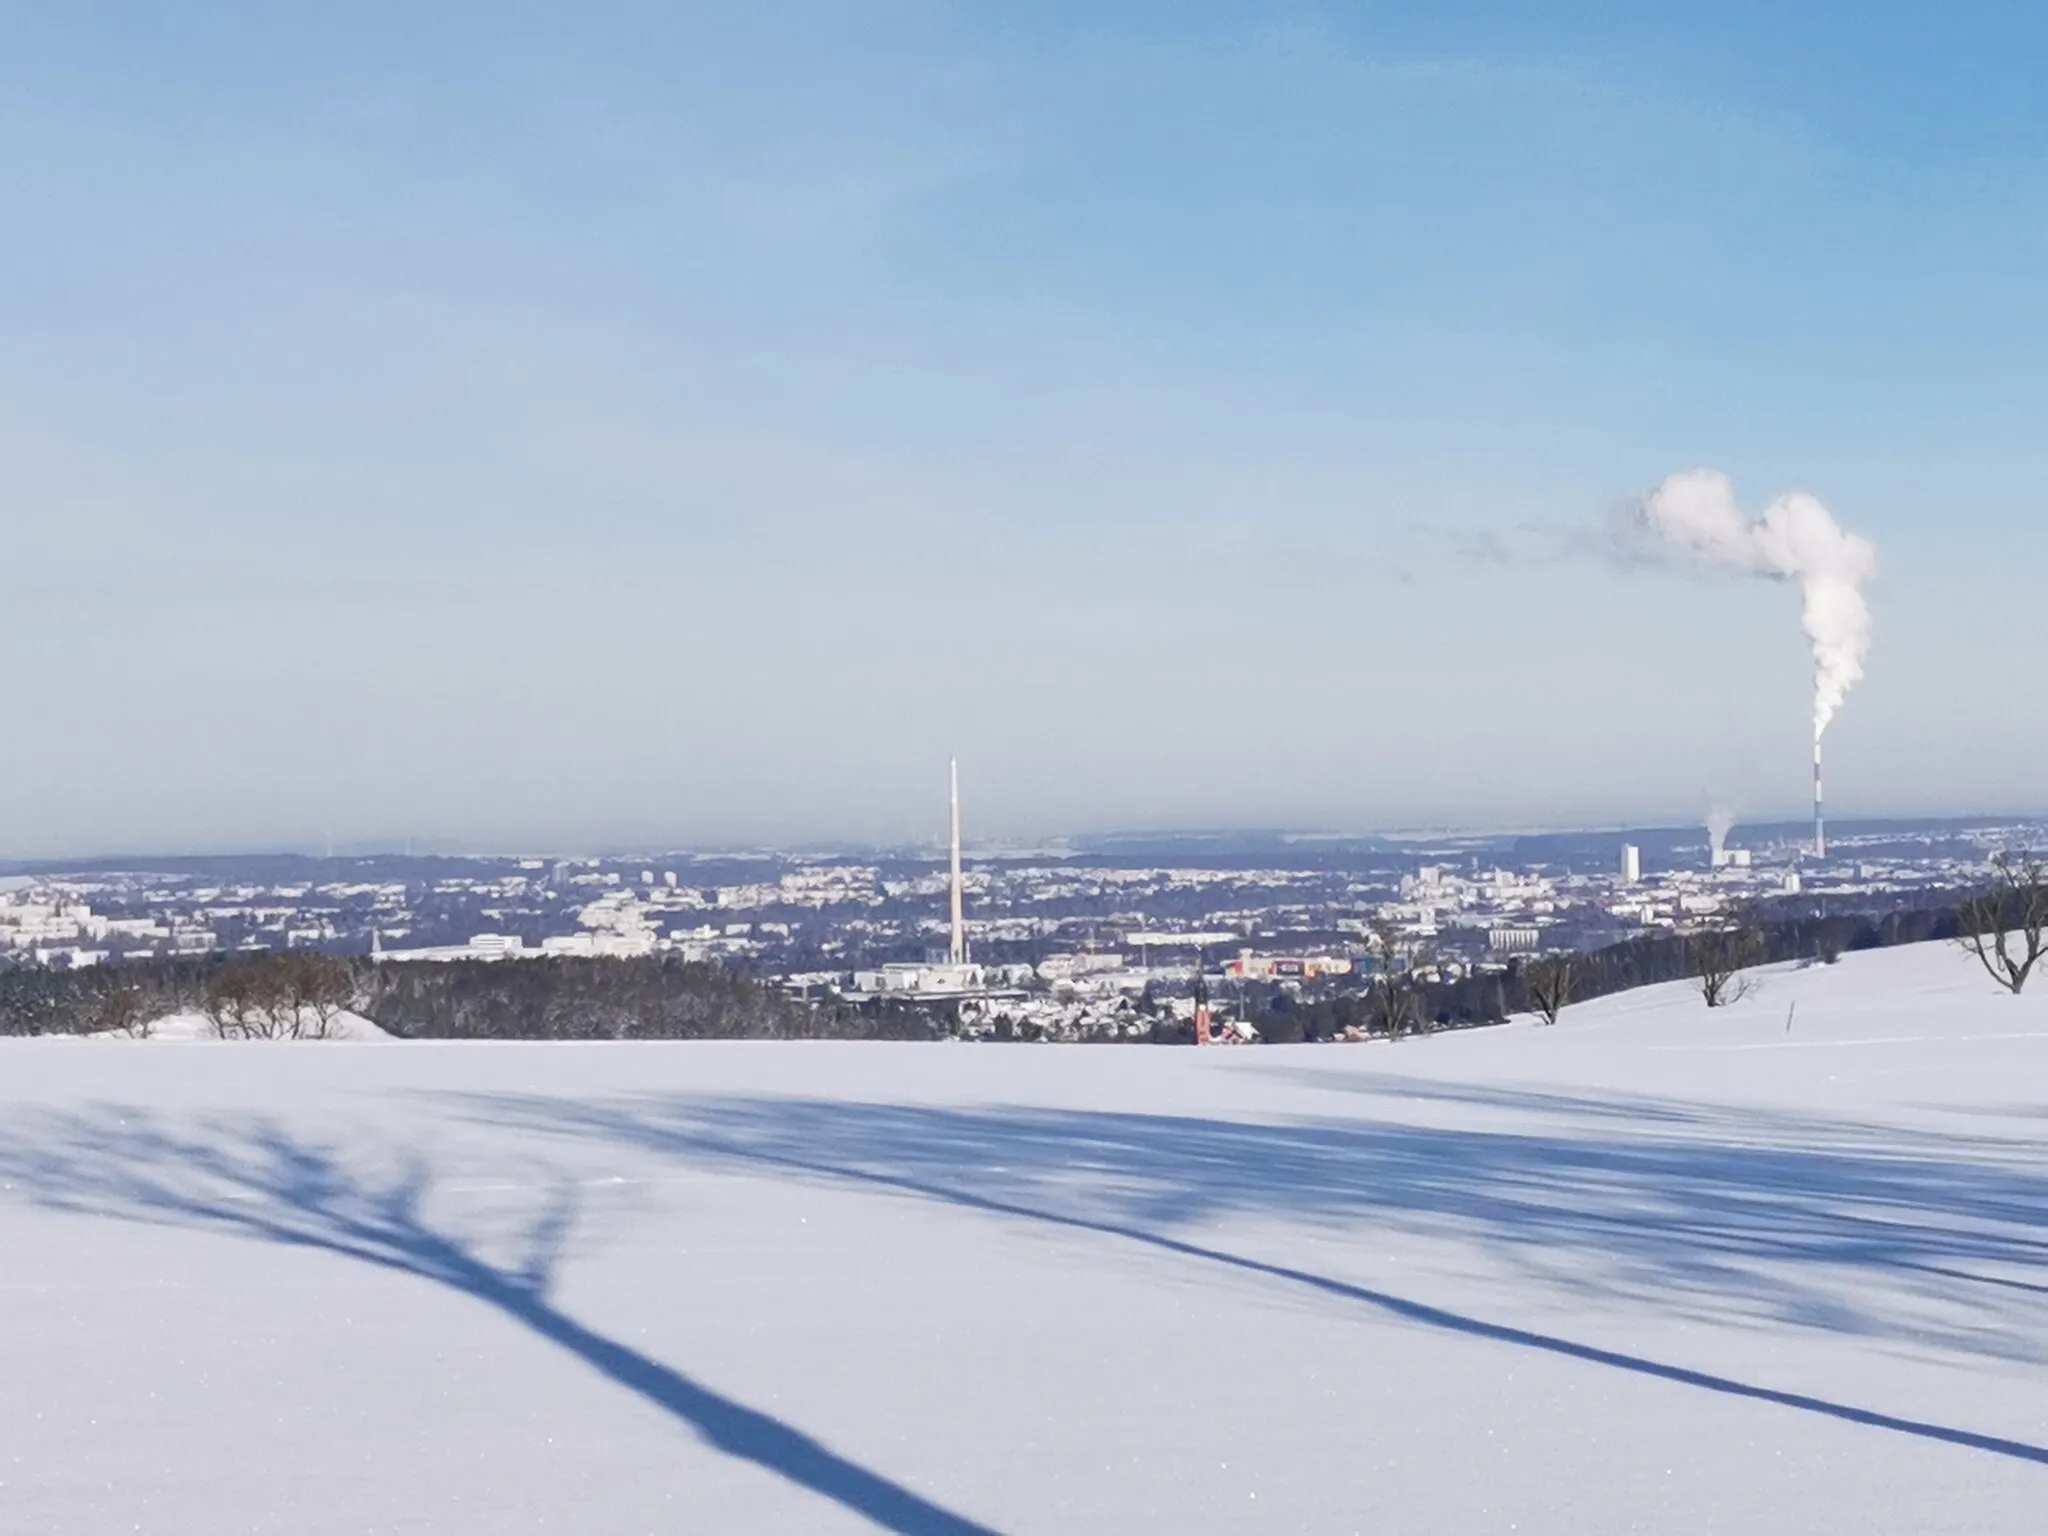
559, 998
666, 998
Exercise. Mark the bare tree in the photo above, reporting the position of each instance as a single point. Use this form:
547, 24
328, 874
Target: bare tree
2004, 925
231, 1001
123, 1011
1718, 951
314, 990
294, 996
1549, 985
1393, 1000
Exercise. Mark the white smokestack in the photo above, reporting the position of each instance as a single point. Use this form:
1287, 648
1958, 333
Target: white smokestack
1796, 539
956, 951
1820, 821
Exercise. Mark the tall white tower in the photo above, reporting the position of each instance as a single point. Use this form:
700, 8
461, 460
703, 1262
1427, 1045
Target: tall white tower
1631, 864
1820, 825
956, 952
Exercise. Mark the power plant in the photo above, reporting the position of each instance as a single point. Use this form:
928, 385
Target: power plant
1796, 539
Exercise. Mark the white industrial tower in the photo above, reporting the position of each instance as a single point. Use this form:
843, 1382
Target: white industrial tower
1820, 825
956, 951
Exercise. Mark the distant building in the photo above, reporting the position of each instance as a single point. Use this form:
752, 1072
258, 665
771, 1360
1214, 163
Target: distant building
482, 946
908, 978
1067, 967
1631, 863
1249, 965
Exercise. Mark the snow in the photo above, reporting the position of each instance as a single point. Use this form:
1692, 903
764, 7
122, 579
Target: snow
1654, 1269
185, 1028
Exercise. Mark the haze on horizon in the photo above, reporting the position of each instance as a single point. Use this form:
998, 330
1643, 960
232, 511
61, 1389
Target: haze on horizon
664, 425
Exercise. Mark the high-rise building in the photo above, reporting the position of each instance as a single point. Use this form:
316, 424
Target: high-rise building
1631, 863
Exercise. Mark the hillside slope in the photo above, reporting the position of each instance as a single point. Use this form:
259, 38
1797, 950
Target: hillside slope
1655, 1269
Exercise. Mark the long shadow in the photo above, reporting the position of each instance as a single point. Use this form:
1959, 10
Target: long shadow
1926, 1242
1814, 1134
258, 1181
1138, 1178
1636, 1111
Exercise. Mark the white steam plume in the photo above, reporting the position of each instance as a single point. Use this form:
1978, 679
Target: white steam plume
1796, 539
1720, 822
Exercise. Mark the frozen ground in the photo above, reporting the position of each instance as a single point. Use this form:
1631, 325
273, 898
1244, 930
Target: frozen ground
1653, 1270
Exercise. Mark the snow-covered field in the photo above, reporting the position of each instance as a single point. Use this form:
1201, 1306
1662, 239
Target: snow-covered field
1656, 1269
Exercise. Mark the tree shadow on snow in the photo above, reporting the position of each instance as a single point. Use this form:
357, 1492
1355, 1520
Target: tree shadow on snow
1703, 1118
1729, 1189
258, 1181
1725, 1218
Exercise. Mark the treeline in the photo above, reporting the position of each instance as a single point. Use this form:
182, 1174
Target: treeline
36, 1001
300, 995
1651, 958
1643, 961
580, 998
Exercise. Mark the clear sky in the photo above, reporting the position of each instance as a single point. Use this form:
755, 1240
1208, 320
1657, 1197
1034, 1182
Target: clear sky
573, 425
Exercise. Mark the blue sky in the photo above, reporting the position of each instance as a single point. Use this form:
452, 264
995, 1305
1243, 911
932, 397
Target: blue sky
553, 426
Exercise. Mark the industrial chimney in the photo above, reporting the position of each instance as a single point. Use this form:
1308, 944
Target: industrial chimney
956, 951
1820, 826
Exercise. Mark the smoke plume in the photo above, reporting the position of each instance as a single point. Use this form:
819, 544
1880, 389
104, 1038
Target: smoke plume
1796, 539
1720, 822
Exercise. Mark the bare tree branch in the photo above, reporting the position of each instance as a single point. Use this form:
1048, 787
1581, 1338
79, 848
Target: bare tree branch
1719, 950
2004, 925
1400, 962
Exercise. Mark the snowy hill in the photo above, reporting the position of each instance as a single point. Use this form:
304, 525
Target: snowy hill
1657, 1268
188, 1027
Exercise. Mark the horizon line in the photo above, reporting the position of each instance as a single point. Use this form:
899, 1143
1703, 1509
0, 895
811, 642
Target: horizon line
996, 847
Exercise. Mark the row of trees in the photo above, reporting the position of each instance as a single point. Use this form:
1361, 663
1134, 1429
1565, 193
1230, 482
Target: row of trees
291, 996
1407, 991
301, 995
2004, 925
581, 998
296, 995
